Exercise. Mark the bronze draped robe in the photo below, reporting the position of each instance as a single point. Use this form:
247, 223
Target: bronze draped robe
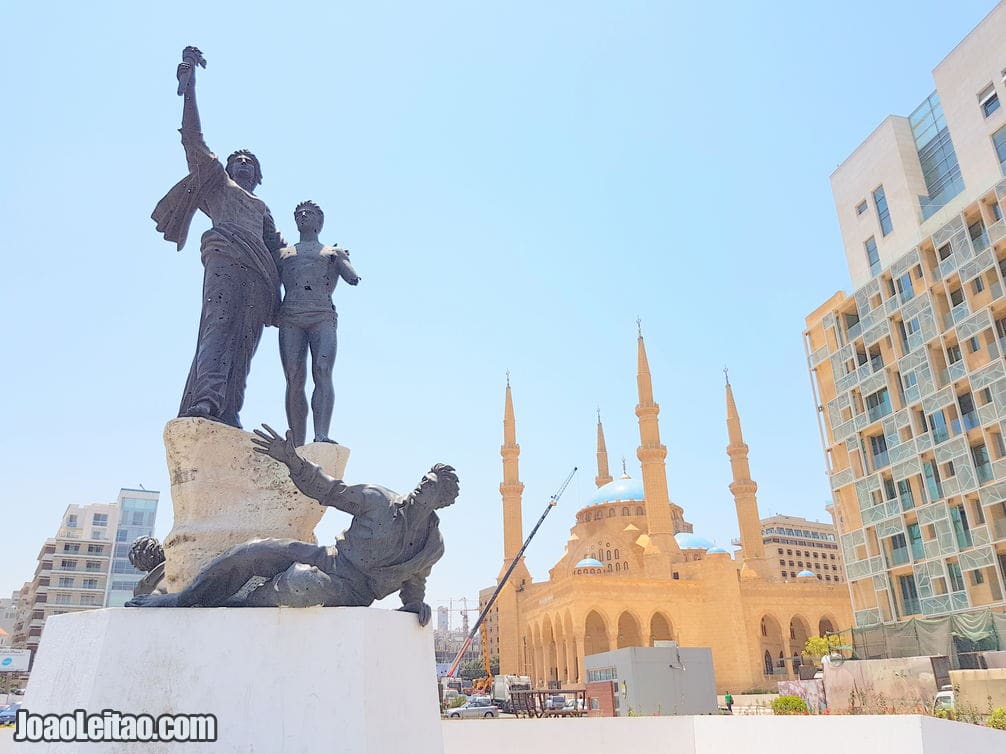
240, 283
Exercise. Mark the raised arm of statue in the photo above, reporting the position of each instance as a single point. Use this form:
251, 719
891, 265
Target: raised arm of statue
192, 135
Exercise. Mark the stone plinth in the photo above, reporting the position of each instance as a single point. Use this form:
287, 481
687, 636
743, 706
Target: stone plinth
334, 680
223, 493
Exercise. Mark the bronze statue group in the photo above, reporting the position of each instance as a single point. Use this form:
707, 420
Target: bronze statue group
393, 540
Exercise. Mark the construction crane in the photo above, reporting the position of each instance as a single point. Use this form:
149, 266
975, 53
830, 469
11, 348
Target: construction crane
485, 684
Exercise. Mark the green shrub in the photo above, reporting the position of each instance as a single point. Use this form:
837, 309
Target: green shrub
789, 705
997, 719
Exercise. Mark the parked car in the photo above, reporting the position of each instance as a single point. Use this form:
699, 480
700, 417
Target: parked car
8, 713
555, 702
477, 706
944, 700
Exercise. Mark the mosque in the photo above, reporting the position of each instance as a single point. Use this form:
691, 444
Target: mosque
634, 573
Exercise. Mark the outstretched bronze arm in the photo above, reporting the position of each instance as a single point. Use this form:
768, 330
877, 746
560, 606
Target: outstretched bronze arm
307, 477
186, 75
192, 135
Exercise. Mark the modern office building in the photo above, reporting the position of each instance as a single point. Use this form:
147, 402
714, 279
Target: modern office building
908, 370
443, 620
802, 545
72, 571
137, 513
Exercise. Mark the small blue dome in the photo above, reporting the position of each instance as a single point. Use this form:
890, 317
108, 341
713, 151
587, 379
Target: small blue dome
688, 541
620, 489
806, 574
716, 549
589, 563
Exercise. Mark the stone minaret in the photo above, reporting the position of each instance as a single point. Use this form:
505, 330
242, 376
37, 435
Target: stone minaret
603, 475
511, 488
661, 550
743, 488
512, 659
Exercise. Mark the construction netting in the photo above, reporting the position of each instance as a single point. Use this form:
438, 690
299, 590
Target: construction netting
960, 637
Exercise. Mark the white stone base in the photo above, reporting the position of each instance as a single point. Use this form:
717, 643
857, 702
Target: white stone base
722, 734
352, 680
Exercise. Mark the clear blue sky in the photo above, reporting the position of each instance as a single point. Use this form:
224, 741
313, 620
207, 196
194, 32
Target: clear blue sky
517, 183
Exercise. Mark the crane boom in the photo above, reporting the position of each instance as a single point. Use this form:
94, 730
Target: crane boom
552, 501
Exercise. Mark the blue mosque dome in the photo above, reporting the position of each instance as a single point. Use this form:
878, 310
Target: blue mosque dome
713, 550
625, 488
589, 563
688, 541
806, 575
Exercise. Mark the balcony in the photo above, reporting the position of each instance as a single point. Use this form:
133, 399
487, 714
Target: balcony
879, 411
980, 242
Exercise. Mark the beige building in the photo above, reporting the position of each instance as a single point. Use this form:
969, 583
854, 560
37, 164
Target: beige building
908, 370
72, 571
802, 545
633, 573
8, 616
489, 631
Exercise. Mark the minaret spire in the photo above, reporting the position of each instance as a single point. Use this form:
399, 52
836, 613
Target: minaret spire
508, 606
662, 549
511, 489
743, 488
603, 475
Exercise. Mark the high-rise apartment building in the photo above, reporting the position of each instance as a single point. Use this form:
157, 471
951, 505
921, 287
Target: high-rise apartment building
909, 369
72, 571
137, 513
802, 545
86, 565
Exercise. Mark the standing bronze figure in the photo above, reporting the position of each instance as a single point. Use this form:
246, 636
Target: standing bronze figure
240, 280
307, 319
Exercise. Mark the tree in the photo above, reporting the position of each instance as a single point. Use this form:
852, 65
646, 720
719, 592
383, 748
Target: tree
471, 669
819, 646
476, 669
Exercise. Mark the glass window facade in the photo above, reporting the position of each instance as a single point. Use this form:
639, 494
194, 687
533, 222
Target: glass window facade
899, 550
956, 577
999, 142
959, 519
915, 538
872, 255
988, 101
136, 519
909, 595
878, 404
883, 211
937, 156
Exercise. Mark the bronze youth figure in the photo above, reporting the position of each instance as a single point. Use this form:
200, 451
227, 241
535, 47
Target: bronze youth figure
307, 319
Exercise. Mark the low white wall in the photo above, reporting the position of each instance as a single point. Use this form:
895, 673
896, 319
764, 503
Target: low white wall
892, 734
349, 680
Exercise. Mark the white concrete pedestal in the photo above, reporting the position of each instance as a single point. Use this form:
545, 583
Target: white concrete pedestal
279, 680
